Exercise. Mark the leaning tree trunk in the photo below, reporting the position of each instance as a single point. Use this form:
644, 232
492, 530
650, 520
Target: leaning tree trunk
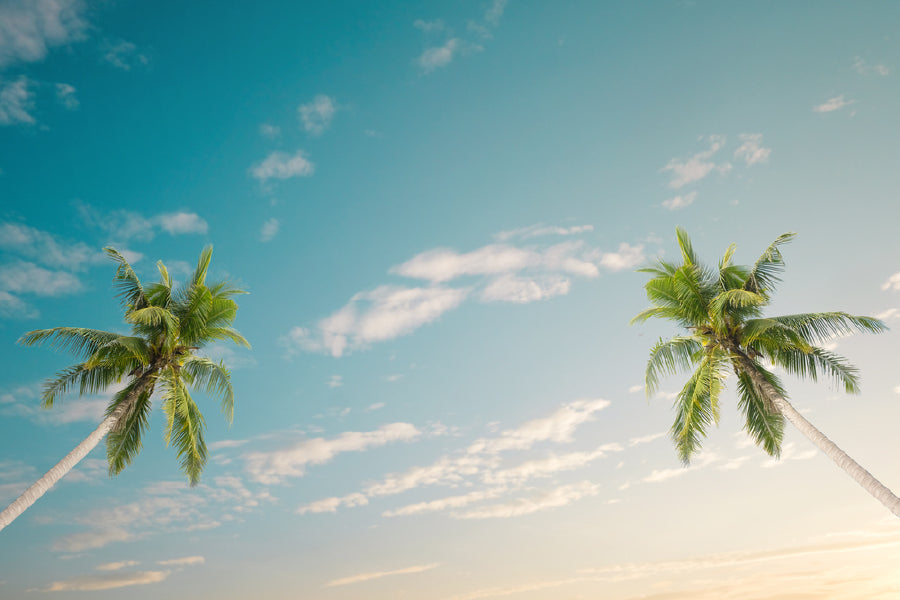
841, 458
42, 485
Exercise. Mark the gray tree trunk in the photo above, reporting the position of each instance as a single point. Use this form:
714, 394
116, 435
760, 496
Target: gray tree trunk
869, 483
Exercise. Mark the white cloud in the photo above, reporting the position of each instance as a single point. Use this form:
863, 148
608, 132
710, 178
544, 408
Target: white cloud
65, 94
789, 452
443, 471
379, 574
429, 26
95, 583
860, 66
520, 290
269, 229
546, 467
494, 12
680, 201
636, 388
331, 505
115, 566
645, 439
16, 101
182, 562
833, 104
557, 427
316, 115
445, 503
697, 166
280, 165
29, 28
26, 277
124, 55
389, 312
892, 283
891, 314
544, 500
11, 306
703, 460
182, 222
533, 231
751, 149
275, 466
46, 248
335, 381
270, 131
438, 56
627, 257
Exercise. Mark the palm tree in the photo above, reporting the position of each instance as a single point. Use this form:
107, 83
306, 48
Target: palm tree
721, 311
169, 324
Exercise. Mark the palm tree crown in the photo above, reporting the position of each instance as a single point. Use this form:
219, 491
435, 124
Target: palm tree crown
721, 311
169, 323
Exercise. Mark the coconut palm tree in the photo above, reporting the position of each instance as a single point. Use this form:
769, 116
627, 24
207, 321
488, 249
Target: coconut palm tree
169, 324
721, 311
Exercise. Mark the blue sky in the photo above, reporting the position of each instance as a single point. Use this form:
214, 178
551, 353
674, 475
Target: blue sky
438, 210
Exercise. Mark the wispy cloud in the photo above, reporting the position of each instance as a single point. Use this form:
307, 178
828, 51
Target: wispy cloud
17, 101
533, 231
65, 95
751, 150
182, 562
30, 28
681, 201
438, 56
892, 283
124, 55
833, 104
863, 68
270, 131
317, 114
182, 222
275, 466
429, 26
695, 168
379, 574
96, 583
269, 229
280, 165
126, 225
543, 500
116, 566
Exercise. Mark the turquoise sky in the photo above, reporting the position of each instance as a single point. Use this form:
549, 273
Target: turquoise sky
438, 210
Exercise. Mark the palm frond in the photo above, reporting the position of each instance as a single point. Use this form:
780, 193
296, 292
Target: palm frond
734, 305
77, 340
697, 406
199, 276
128, 286
764, 425
766, 271
215, 378
816, 361
124, 350
123, 442
225, 333
686, 247
667, 357
821, 327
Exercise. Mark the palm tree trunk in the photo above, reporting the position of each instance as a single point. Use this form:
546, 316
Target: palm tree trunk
42, 485
869, 483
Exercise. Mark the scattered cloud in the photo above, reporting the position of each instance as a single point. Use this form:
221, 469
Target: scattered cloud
384, 313
444, 504
429, 26
790, 452
269, 229
182, 562
639, 387
680, 201
335, 381
494, 12
696, 167
379, 574
317, 114
861, 67
46, 248
28, 278
543, 500
17, 101
124, 55
116, 566
275, 466
269, 131
280, 165
646, 439
95, 583
551, 465
891, 314
702, 461
833, 104
892, 283
533, 231
751, 150
438, 56
521, 290
65, 94
182, 222
627, 257
30, 28
331, 505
